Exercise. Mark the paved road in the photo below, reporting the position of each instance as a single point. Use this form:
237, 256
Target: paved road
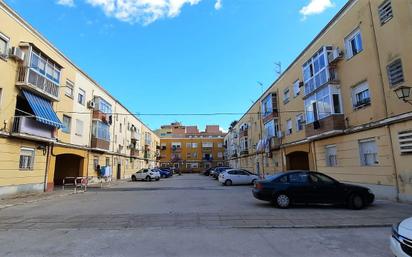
190, 215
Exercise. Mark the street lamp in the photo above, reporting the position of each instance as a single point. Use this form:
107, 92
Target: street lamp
403, 93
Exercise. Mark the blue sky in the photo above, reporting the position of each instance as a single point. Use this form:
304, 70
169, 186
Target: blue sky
180, 56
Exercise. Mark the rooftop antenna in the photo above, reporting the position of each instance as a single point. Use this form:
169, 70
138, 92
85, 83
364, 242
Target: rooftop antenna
261, 86
278, 68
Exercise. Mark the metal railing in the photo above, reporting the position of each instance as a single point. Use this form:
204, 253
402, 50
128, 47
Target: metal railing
76, 182
27, 76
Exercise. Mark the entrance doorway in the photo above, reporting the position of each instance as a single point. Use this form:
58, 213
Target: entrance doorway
297, 161
119, 171
67, 165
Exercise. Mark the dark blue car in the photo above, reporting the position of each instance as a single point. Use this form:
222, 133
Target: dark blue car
165, 173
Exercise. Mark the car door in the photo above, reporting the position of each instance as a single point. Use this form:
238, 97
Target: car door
299, 187
325, 190
244, 177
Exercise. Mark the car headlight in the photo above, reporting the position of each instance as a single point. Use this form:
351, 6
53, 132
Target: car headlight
395, 233
370, 191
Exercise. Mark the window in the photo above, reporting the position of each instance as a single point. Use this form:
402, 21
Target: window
188, 155
219, 155
79, 127
405, 141
176, 145
267, 104
195, 165
207, 145
319, 105
353, 44
331, 160
101, 130
395, 73
67, 123
360, 95
96, 163
26, 159
300, 121
4, 46
120, 128
103, 106
286, 95
298, 178
368, 152
194, 155
188, 145
385, 12
315, 71
219, 145
296, 88
271, 129
45, 67
107, 161
81, 98
69, 90
289, 126
318, 178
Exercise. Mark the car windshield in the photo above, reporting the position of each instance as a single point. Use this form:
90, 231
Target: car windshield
274, 177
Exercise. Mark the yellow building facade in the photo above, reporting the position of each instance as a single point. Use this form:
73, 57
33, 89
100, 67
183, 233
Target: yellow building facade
58, 122
334, 109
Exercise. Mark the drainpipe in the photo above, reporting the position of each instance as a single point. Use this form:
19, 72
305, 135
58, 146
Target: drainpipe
46, 172
396, 175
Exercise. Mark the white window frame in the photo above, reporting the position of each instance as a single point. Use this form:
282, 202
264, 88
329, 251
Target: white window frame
300, 118
358, 89
6, 39
296, 88
363, 162
79, 127
286, 96
82, 93
348, 43
69, 127
69, 84
30, 164
289, 127
328, 150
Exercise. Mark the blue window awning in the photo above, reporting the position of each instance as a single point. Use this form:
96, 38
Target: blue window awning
43, 110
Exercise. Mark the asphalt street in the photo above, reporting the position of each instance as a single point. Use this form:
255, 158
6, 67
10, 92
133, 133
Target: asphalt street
190, 215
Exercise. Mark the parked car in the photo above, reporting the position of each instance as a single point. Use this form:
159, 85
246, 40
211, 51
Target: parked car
401, 240
237, 177
218, 170
306, 187
146, 174
206, 172
164, 173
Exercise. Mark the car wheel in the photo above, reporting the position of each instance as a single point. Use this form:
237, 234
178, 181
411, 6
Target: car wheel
282, 201
157, 179
148, 178
228, 182
134, 178
253, 181
356, 202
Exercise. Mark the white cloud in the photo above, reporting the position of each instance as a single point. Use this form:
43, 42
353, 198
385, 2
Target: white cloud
69, 3
218, 4
141, 11
316, 7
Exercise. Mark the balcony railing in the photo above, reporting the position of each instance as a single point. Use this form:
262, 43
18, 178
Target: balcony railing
30, 126
134, 152
274, 143
335, 122
244, 152
31, 80
243, 133
97, 143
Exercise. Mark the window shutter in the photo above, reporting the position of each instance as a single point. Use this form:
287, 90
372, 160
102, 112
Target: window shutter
385, 12
395, 72
405, 141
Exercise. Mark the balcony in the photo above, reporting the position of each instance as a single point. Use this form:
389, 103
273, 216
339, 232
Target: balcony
269, 107
274, 143
31, 127
243, 133
31, 80
234, 155
99, 144
134, 152
135, 136
101, 116
244, 152
331, 123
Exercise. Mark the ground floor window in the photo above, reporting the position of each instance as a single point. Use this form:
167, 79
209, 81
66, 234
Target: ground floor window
26, 159
331, 160
368, 152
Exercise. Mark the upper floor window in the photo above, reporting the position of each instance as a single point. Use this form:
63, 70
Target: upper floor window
267, 105
79, 127
353, 43
69, 91
289, 126
385, 12
360, 95
194, 145
207, 144
300, 121
176, 145
67, 124
45, 66
296, 88
4, 46
271, 129
286, 95
368, 152
101, 130
395, 73
103, 106
81, 98
315, 72
323, 104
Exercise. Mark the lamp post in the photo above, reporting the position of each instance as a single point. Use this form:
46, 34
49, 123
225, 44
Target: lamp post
403, 93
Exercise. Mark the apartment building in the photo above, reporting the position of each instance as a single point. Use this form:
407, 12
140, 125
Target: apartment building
338, 107
190, 150
56, 121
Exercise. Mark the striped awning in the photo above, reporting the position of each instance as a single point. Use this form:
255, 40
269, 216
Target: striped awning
43, 110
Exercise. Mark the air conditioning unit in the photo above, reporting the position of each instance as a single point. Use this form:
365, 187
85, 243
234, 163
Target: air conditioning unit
17, 54
91, 104
335, 55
